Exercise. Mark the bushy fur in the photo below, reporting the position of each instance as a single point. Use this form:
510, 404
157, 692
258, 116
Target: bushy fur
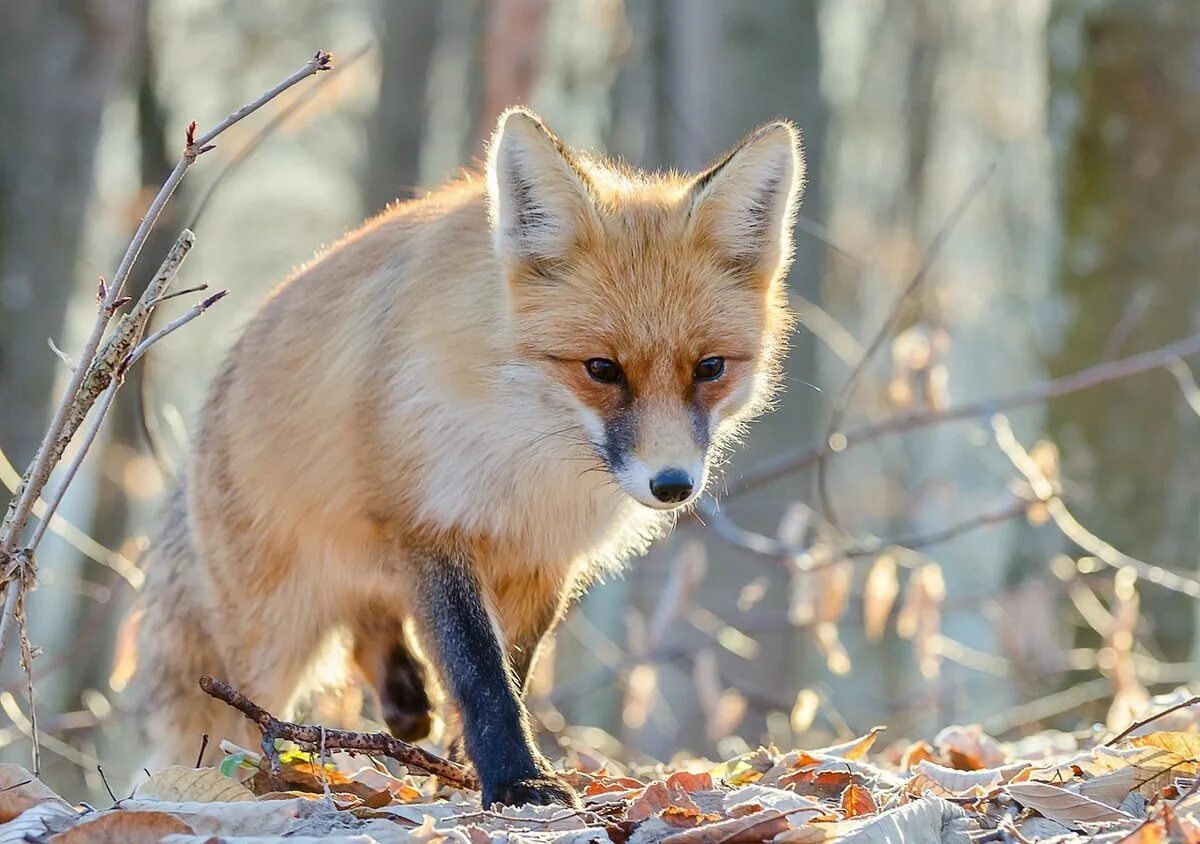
419, 390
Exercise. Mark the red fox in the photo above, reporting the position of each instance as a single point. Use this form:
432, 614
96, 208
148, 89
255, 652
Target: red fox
437, 433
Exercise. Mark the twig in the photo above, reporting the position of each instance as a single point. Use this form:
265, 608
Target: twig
782, 464
1070, 526
203, 747
842, 403
1187, 384
70, 533
27, 662
1137, 725
107, 787
310, 737
89, 378
723, 527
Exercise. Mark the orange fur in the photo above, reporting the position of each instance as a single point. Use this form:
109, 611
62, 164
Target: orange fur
421, 386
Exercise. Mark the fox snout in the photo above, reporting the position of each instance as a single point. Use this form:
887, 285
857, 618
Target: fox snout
658, 457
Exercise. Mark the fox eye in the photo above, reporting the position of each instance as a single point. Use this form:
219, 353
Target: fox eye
604, 370
710, 369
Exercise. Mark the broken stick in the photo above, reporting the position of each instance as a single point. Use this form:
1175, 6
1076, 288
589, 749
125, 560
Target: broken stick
310, 737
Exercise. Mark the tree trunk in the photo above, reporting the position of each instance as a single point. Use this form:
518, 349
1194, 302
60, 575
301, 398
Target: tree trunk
408, 36
59, 62
1132, 450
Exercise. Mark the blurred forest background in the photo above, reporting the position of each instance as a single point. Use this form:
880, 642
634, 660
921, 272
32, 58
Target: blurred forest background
940, 578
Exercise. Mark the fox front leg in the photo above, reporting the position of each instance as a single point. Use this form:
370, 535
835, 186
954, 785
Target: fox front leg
457, 626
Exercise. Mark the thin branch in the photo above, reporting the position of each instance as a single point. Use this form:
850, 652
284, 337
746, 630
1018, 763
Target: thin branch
773, 468
93, 373
724, 528
311, 737
1070, 526
1137, 725
72, 534
842, 403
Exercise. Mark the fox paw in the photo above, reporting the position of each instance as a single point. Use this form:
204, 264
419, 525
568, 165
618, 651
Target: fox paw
545, 790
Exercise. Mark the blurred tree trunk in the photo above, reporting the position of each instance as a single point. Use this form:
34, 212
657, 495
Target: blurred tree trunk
925, 97
408, 36
1129, 279
59, 62
512, 46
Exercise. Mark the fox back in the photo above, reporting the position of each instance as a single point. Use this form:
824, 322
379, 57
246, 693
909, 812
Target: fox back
523, 375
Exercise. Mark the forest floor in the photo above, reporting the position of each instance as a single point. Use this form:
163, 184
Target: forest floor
1137, 787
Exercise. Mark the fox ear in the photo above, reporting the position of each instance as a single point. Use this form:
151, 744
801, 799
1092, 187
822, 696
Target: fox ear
539, 199
747, 201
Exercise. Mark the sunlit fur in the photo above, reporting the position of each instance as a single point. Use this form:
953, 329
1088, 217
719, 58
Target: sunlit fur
421, 386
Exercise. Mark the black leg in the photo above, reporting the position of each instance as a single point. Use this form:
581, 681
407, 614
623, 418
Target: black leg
456, 624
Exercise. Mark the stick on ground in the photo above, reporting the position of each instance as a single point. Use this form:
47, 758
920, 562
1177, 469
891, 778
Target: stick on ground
312, 737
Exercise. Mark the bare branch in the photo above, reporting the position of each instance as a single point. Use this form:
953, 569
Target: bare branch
97, 370
312, 737
773, 468
1070, 526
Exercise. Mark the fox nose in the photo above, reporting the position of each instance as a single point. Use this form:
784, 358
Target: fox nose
671, 486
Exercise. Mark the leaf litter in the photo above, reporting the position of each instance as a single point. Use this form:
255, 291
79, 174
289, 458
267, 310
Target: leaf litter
962, 787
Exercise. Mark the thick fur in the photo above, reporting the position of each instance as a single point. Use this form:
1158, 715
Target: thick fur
407, 433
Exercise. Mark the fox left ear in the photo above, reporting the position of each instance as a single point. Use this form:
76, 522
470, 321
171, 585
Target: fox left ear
747, 201
539, 199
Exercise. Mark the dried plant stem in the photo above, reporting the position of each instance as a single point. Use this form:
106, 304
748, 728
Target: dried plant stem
313, 738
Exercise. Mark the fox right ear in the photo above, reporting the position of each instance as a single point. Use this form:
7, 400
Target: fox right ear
539, 200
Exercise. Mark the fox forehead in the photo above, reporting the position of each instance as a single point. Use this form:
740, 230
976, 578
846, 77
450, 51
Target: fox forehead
642, 288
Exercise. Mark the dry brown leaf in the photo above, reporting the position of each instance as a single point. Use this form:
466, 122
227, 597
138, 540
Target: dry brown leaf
689, 782
656, 798
931, 778
879, 596
855, 749
762, 826
20, 790
178, 784
37, 822
969, 748
683, 817
915, 754
119, 827
857, 800
1186, 745
1059, 804
809, 833
1151, 832
804, 711
922, 820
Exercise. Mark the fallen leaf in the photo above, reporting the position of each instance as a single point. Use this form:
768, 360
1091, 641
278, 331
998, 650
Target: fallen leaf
657, 797
121, 827
178, 784
684, 817
969, 748
20, 790
856, 801
931, 778
855, 749
923, 820
689, 782
38, 821
762, 826
1059, 804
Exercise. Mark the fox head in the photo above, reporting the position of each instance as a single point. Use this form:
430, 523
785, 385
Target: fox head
655, 304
